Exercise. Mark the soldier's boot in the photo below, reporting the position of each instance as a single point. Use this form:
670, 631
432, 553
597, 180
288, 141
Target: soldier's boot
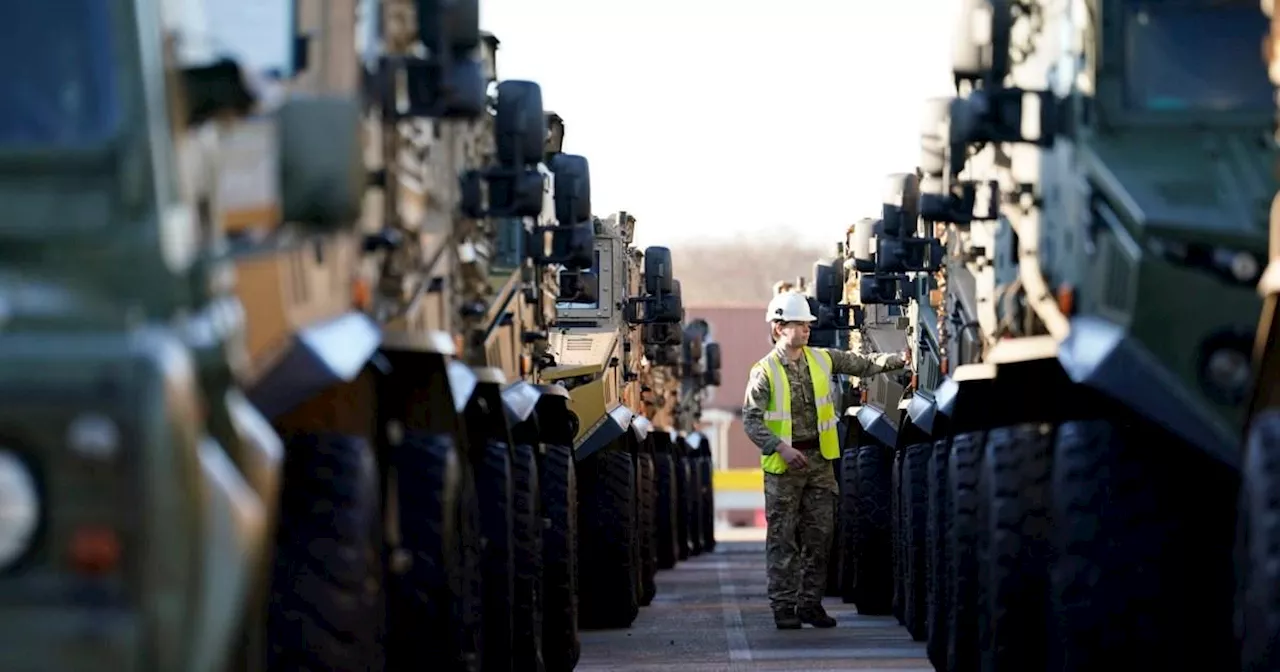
786, 618
815, 616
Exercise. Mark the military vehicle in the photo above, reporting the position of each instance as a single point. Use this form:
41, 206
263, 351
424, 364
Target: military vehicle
140, 484
595, 356
679, 364
321, 345
1108, 150
1256, 611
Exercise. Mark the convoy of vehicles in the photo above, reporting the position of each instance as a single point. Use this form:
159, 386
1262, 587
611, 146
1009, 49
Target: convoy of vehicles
1074, 264
288, 384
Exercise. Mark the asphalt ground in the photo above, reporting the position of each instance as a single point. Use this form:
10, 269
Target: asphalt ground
711, 614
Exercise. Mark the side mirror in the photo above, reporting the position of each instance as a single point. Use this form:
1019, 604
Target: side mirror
826, 284
933, 138
555, 137
711, 378
662, 334
321, 162
658, 276
573, 188
980, 47
712, 352
902, 191
882, 290
449, 25
520, 125
572, 246
860, 241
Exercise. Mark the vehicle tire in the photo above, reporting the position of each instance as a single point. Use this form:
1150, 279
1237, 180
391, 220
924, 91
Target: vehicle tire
848, 527
326, 609
695, 503
963, 474
874, 541
560, 644
645, 527
607, 574
527, 536
1257, 615
915, 507
493, 485
1143, 574
898, 539
1014, 618
682, 504
708, 508
666, 511
938, 527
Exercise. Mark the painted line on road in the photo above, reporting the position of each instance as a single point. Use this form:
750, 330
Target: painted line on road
735, 633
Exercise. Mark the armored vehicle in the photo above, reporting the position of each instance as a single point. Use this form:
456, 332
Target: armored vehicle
595, 356
1126, 146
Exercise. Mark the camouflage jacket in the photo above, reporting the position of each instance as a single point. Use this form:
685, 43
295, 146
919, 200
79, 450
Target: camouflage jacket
804, 410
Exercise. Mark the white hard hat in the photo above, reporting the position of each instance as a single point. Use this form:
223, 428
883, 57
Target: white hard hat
789, 307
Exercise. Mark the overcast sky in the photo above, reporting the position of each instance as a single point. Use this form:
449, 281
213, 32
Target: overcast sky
712, 118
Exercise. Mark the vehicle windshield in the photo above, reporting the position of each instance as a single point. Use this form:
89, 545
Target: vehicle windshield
1195, 55
57, 72
580, 291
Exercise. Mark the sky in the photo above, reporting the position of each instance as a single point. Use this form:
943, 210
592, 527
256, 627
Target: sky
715, 119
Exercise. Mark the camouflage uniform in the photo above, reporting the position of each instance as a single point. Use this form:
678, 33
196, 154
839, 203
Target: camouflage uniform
800, 504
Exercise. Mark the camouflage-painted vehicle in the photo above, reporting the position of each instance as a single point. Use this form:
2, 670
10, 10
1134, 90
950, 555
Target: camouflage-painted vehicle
140, 486
1256, 540
324, 361
1099, 327
679, 364
596, 355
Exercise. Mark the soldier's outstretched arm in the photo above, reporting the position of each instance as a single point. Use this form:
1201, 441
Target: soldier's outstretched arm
753, 408
862, 366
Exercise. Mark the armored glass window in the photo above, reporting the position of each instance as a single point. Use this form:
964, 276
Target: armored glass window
57, 71
580, 290
1194, 55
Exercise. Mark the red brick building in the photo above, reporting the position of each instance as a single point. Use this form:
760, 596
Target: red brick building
743, 336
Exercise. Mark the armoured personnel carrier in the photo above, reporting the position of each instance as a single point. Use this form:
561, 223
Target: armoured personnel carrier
319, 354
595, 355
1127, 147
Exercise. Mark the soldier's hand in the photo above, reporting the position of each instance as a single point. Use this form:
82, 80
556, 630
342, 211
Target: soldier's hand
794, 458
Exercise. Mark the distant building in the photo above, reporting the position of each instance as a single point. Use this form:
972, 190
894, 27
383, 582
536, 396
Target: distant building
743, 336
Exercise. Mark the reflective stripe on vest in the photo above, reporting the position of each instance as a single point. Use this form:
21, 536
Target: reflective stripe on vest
777, 416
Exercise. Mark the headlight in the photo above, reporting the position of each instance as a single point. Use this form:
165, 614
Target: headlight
19, 508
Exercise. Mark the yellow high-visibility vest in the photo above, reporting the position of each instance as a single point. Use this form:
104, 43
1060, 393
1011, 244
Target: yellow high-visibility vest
778, 416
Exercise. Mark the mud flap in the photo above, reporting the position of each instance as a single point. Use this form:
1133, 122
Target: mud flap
319, 357
876, 424
610, 428
1099, 355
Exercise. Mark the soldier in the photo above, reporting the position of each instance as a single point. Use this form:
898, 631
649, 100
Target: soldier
790, 413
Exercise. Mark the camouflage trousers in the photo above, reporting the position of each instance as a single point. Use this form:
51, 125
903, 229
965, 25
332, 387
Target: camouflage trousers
800, 508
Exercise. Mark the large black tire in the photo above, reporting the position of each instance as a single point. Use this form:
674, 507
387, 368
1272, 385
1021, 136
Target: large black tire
898, 539
436, 587
874, 542
695, 504
606, 571
493, 484
848, 525
1144, 576
666, 511
560, 644
682, 505
645, 527
938, 527
835, 554
1015, 618
915, 508
527, 518
708, 507
963, 474
1258, 548
325, 609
